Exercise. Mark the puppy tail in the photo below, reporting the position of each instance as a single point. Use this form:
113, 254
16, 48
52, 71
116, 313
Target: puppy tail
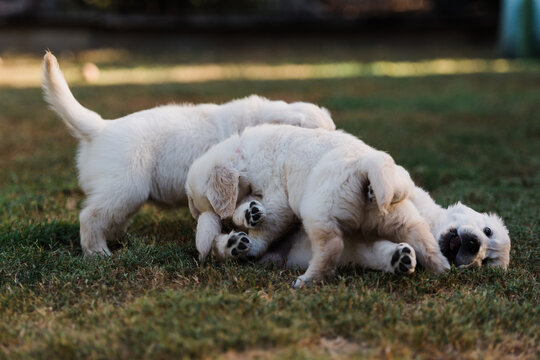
83, 123
391, 183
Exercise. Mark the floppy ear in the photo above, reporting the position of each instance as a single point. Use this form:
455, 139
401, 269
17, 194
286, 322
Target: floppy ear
223, 190
208, 227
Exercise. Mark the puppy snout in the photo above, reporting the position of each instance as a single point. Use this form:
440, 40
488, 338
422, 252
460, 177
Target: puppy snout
471, 243
454, 241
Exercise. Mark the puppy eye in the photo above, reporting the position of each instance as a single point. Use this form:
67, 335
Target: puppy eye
488, 231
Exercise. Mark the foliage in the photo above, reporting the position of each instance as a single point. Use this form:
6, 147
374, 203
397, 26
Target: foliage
177, 6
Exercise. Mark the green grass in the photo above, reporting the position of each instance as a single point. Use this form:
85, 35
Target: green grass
474, 138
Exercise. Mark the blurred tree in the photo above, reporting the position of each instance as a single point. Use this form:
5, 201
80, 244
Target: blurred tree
175, 6
10, 7
102, 4
458, 15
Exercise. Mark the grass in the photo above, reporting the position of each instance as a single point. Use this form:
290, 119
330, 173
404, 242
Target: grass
473, 138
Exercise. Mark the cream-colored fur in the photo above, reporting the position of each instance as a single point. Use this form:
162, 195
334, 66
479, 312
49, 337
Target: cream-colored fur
318, 176
463, 224
146, 155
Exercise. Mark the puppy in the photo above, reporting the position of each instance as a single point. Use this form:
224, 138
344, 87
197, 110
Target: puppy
145, 156
320, 177
466, 237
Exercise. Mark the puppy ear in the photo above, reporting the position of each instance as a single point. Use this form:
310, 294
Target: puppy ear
223, 190
208, 228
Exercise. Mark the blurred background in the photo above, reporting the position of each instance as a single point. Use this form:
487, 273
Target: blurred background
378, 65
352, 37
450, 88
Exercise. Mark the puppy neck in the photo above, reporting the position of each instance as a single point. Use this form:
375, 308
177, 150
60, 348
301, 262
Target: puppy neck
428, 208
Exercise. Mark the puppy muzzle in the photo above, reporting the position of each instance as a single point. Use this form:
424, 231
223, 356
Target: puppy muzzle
461, 250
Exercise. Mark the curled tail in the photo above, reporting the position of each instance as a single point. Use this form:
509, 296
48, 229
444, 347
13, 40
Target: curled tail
83, 123
391, 183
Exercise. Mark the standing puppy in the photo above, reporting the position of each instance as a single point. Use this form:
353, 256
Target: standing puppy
320, 177
145, 156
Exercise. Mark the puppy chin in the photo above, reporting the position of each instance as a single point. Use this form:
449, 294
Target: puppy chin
474, 264
464, 263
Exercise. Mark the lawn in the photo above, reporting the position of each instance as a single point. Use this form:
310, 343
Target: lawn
471, 136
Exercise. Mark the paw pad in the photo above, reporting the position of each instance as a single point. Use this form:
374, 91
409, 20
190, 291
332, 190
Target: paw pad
254, 214
238, 244
403, 260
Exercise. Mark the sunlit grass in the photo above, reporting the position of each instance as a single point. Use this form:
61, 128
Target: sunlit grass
473, 138
28, 73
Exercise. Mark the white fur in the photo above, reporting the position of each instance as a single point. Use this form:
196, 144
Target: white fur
377, 254
494, 249
145, 156
319, 177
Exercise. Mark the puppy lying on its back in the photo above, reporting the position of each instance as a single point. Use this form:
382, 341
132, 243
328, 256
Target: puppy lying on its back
145, 156
467, 238
320, 177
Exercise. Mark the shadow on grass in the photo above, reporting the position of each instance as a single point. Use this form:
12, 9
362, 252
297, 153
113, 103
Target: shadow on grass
33, 253
61, 235
51, 235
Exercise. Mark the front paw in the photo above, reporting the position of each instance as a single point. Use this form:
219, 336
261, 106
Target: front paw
302, 282
238, 244
254, 214
404, 259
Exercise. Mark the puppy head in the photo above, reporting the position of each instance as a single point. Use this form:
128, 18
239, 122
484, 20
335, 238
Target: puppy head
469, 238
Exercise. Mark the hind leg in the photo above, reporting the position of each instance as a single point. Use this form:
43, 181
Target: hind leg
382, 255
103, 220
327, 246
403, 223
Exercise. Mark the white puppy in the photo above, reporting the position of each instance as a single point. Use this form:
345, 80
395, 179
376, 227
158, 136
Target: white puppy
321, 177
466, 237
145, 156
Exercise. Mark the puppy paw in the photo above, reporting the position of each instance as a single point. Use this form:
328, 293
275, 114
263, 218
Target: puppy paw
96, 252
254, 214
404, 259
238, 244
301, 282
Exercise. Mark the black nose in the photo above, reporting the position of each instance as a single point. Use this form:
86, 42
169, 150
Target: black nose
454, 241
471, 243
